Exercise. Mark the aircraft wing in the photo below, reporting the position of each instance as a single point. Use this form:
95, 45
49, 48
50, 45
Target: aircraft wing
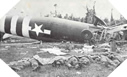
118, 28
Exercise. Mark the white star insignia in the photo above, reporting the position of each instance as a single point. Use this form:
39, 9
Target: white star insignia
37, 29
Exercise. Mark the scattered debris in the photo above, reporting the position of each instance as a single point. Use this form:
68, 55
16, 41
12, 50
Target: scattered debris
87, 49
78, 72
54, 50
7, 47
102, 48
24, 53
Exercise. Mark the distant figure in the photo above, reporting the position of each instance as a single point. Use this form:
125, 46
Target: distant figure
108, 36
113, 45
95, 36
121, 35
1, 36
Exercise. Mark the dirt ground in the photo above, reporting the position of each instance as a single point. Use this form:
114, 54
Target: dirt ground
16, 51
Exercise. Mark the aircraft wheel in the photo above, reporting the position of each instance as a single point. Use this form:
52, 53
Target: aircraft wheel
87, 35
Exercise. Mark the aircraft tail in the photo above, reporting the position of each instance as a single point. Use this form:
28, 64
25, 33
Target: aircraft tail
98, 20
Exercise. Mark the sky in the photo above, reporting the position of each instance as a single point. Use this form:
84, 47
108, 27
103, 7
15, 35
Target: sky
75, 7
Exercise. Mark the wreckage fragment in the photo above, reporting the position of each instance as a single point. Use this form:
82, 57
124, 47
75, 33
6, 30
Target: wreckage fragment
87, 49
54, 50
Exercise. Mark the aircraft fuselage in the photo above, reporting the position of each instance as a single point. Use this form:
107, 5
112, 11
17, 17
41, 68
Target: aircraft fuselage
47, 29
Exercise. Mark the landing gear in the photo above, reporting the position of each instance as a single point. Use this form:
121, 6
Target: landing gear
87, 35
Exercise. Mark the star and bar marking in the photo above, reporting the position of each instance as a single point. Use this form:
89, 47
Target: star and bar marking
38, 30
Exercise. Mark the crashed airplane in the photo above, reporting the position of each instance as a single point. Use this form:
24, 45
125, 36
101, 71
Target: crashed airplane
48, 28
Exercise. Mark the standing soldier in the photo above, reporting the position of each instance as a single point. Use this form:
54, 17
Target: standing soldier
1, 36
113, 45
121, 35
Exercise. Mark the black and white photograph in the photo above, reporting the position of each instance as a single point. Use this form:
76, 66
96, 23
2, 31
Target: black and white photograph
63, 38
